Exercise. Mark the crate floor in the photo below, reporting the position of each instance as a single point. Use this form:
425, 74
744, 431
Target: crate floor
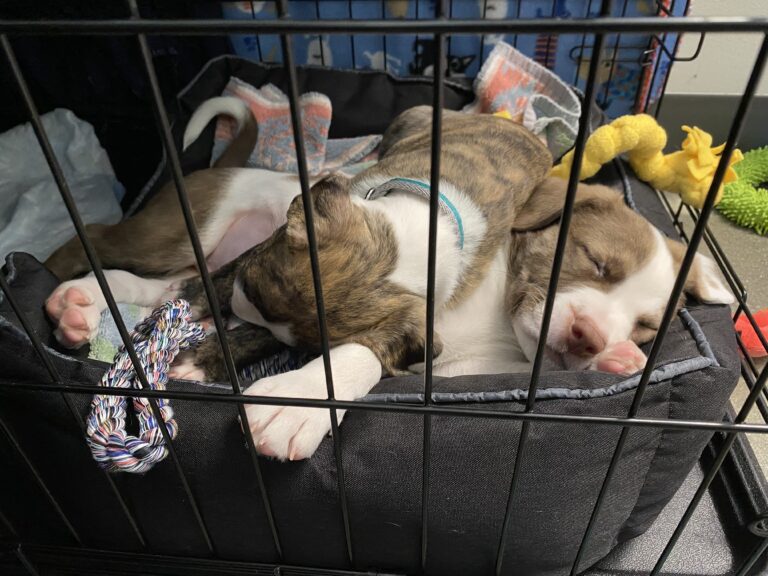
702, 550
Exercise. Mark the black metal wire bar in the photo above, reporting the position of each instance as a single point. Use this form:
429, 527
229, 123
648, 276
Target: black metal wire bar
482, 36
679, 210
565, 221
40, 482
730, 279
554, 278
6, 523
750, 379
582, 45
753, 370
98, 272
116, 560
736, 285
720, 255
448, 38
722, 454
434, 207
748, 364
352, 36
677, 290
320, 36
647, 59
164, 127
256, 36
660, 8
720, 258
384, 38
573, 54
55, 377
25, 562
748, 367
753, 557
301, 160
674, 58
438, 410
614, 58
552, 13
672, 54
208, 27
517, 17
676, 222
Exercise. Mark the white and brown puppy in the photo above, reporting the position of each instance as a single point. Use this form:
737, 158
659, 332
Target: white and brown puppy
496, 239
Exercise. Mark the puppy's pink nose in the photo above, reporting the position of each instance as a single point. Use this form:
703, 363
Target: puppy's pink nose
585, 338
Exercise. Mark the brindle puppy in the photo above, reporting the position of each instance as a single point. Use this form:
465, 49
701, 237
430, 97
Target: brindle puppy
495, 242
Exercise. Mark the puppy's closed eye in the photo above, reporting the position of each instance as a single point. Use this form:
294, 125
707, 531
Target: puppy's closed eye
645, 330
599, 264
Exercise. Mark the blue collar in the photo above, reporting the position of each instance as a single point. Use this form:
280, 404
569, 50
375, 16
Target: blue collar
420, 189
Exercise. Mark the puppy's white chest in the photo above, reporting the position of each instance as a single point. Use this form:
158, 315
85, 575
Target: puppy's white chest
477, 335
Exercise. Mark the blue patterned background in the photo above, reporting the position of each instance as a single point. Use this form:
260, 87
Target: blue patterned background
627, 60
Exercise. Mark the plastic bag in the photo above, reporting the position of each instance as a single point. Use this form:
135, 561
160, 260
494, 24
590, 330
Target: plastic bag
33, 217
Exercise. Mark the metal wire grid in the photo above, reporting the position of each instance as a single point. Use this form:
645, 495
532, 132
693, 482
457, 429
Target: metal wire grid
441, 28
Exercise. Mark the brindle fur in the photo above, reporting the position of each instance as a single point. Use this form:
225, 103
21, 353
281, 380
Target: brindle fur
493, 160
357, 252
247, 343
155, 241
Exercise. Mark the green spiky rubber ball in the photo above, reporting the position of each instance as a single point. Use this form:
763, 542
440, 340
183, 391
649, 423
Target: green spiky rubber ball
744, 201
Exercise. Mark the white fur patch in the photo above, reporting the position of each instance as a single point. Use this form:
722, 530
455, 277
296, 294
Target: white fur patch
263, 195
245, 310
208, 110
477, 335
408, 215
710, 288
294, 433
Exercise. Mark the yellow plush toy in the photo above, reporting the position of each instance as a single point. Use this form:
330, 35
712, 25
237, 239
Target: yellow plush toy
687, 172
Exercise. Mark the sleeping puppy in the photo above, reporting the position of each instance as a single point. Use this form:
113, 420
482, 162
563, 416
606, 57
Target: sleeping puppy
495, 243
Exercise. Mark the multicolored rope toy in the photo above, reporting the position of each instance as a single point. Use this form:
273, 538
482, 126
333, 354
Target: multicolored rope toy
157, 339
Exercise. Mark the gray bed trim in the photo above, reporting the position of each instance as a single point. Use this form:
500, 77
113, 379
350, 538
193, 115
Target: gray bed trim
698, 335
659, 374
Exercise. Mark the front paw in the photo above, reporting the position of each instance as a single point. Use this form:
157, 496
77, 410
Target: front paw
191, 290
283, 432
620, 358
203, 364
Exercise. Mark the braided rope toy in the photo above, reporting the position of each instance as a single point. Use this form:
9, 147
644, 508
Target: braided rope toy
157, 339
744, 201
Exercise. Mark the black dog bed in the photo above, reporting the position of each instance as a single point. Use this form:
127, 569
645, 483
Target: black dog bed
472, 459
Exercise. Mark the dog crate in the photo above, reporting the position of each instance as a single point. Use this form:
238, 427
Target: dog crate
656, 480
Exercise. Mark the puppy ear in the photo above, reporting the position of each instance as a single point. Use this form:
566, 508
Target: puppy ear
331, 208
704, 281
545, 205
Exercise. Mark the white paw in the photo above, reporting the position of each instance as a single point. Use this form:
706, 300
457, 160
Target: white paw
76, 311
288, 433
620, 358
